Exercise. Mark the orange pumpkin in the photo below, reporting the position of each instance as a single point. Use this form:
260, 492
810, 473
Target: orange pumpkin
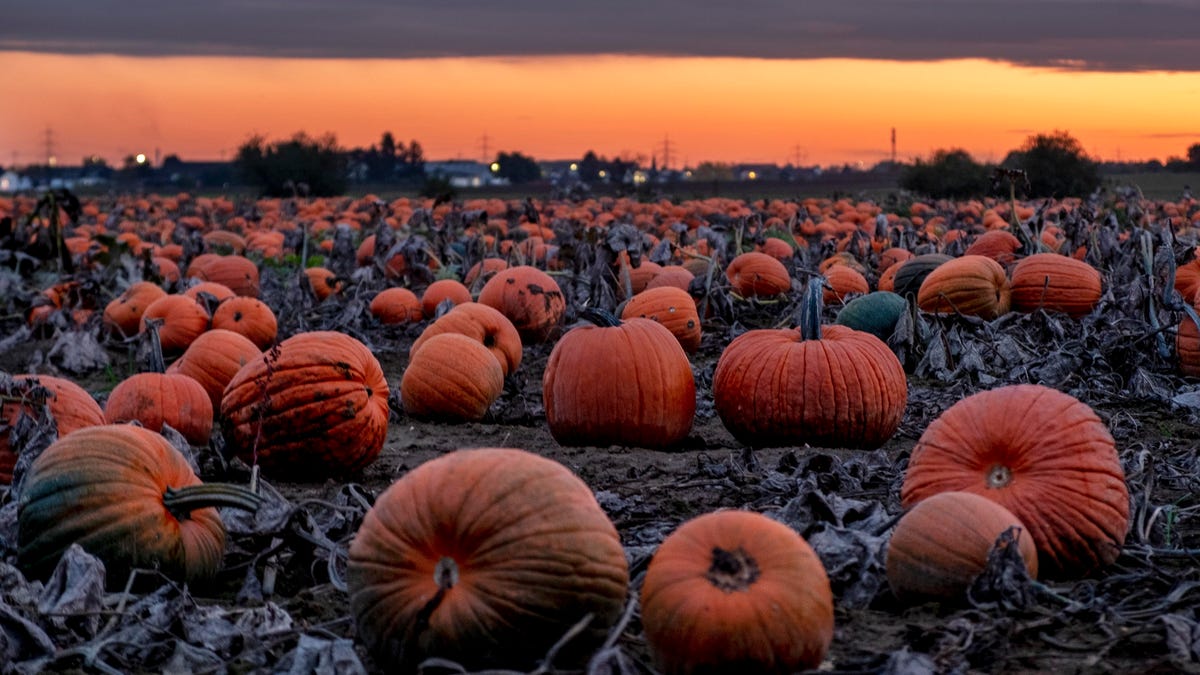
973, 285
237, 272
70, 406
157, 399
484, 325
123, 316
452, 377
442, 290
183, 320
213, 359
394, 306
758, 275
1055, 283
673, 308
530, 298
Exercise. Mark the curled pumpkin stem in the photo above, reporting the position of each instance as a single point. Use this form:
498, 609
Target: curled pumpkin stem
181, 502
601, 317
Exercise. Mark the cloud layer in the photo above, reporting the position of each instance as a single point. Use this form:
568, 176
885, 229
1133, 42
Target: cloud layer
1082, 34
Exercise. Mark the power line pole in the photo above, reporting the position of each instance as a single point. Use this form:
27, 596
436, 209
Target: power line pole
666, 152
798, 155
893, 145
49, 146
483, 146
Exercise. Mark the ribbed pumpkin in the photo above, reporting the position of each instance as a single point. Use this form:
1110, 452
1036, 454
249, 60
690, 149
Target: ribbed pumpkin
71, 407
1041, 454
323, 282
1055, 283
213, 359
941, 545
155, 399
483, 271
482, 323
617, 383
673, 308
247, 316
999, 245
486, 557
843, 281
891, 257
1187, 346
183, 320
973, 285
829, 386
441, 290
530, 298
736, 592
219, 291
758, 275
237, 272
911, 274
452, 377
674, 276
875, 313
127, 496
123, 316
394, 306
315, 406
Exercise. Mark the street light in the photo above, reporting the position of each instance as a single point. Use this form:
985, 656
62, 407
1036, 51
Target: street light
141, 158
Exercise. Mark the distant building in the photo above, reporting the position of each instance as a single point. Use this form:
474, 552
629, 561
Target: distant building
11, 181
464, 173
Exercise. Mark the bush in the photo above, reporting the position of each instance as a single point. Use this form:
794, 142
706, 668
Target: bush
1056, 166
950, 174
300, 165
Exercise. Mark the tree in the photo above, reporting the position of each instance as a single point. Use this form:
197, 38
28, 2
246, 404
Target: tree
281, 167
518, 168
590, 167
1056, 166
950, 174
1193, 156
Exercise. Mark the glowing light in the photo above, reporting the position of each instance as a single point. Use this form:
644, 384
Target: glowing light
495, 167
753, 175
141, 158
603, 173
574, 166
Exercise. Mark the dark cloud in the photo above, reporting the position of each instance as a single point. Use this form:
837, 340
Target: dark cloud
1074, 34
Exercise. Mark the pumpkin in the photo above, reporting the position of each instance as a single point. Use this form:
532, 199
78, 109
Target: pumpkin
70, 406
675, 276
183, 320
482, 323
911, 274
127, 496
758, 275
531, 300
1041, 454
155, 399
875, 313
219, 291
213, 359
1055, 283
1187, 280
247, 316
736, 592
441, 290
973, 285
843, 281
452, 377
507, 552
618, 383
393, 306
777, 249
941, 545
999, 245
323, 282
829, 386
237, 272
1187, 346
123, 316
315, 405
891, 257
483, 271
673, 308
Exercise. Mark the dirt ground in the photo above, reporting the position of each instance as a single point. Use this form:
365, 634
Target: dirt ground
1137, 617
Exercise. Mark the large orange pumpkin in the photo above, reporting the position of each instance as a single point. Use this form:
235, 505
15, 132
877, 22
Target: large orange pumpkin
973, 285
452, 377
315, 406
155, 399
530, 298
1055, 283
482, 323
213, 359
758, 275
1041, 454
485, 557
617, 383
247, 316
70, 406
123, 315
183, 320
237, 272
736, 592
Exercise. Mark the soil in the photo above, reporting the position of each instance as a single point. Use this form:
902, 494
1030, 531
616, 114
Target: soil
1138, 617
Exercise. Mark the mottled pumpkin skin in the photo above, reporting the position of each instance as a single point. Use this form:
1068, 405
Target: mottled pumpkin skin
973, 285
71, 406
213, 359
911, 273
941, 545
483, 324
697, 621
1041, 454
1055, 283
530, 298
102, 487
155, 399
674, 308
622, 385
237, 272
250, 317
1187, 347
183, 320
123, 316
773, 388
452, 378
999, 245
321, 405
533, 553
875, 313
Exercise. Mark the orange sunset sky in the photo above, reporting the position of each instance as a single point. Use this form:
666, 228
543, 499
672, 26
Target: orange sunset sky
827, 88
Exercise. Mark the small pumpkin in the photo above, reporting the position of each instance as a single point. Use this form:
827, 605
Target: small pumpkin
911, 274
758, 275
247, 316
842, 282
237, 272
483, 324
452, 377
394, 306
509, 551
875, 313
941, 545
1043, 455
220, 292
673, 308
972, 285
213, 359
323, 282
675, 276
736, 592
155, 399
314, 406
127, 496
530, 298
1055, 283
183, 320
999, 245
123, 316
619, 383
440, 291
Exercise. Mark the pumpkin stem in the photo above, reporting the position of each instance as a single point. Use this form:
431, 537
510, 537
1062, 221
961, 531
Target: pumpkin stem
446, 573
732, 570
157, 363
810, 308
601, 317
999, 476
180, 502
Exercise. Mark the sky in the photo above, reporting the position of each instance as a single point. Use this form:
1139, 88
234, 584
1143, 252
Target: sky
813, 82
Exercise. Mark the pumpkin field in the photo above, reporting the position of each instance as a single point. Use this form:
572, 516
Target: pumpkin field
599, 435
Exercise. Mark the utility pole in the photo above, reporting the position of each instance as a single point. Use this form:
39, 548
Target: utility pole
666, 152
49, 146
893, 145
483, 146
798, 155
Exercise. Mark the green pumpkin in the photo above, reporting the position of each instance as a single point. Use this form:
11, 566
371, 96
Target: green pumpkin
875, 313
912, 272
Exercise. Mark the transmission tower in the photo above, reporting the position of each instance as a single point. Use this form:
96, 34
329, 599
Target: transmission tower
666, 152
483, 148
